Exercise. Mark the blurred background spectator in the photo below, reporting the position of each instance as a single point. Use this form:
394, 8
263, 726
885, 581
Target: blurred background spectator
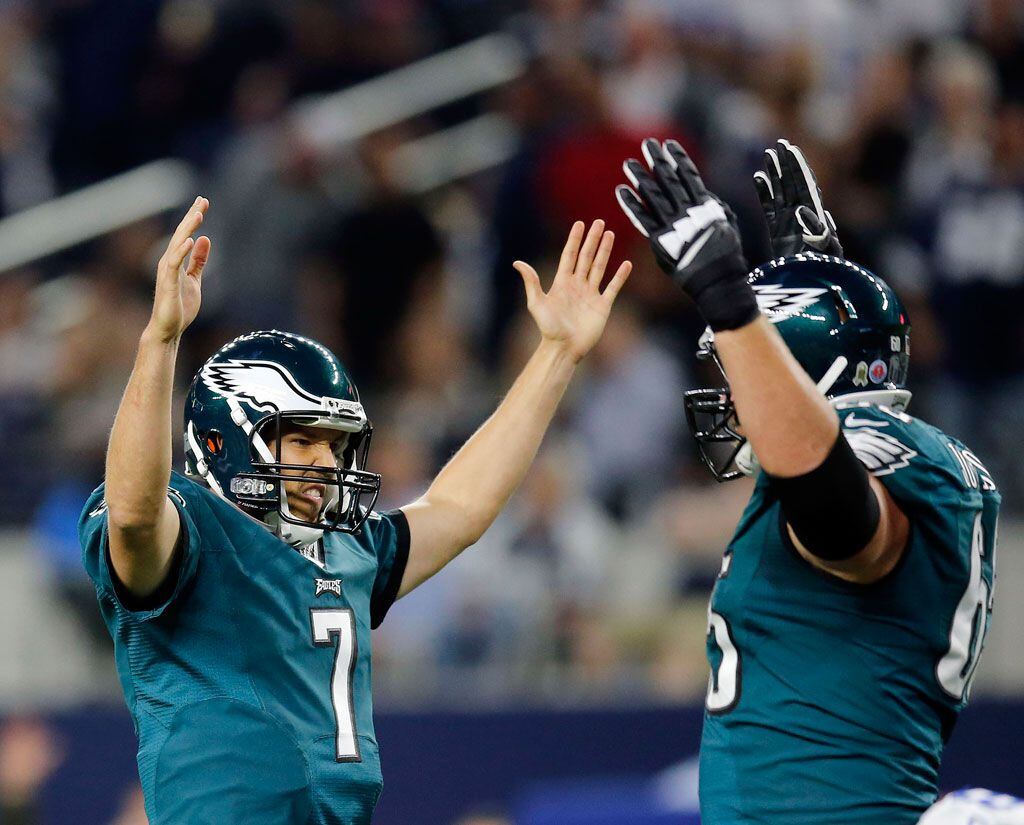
389, 235
29, 754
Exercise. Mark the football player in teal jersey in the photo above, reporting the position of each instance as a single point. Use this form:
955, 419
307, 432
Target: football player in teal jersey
241, 595
852, 603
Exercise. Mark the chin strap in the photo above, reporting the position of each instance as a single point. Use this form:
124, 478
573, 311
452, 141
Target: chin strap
202, 467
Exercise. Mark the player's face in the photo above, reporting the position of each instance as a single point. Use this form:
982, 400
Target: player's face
314, 447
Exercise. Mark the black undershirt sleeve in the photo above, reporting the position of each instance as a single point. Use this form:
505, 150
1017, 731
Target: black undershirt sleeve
379, 606
165, 589
832, 509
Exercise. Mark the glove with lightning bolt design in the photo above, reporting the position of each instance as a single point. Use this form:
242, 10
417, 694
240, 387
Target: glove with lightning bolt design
692, 232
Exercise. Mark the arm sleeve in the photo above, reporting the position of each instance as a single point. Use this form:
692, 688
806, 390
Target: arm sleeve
92, 532
832, 509
390, 536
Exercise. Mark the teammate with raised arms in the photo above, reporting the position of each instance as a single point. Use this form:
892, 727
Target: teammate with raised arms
850, 611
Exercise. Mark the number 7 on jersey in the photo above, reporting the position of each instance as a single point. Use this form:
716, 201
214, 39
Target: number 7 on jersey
340, 625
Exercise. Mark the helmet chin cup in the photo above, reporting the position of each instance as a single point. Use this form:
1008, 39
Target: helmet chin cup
746, 460
297, 535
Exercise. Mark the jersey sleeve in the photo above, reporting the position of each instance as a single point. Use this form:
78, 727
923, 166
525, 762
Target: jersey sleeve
92, 533
389, 533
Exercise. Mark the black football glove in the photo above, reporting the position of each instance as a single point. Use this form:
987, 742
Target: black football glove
692, 232
791, 200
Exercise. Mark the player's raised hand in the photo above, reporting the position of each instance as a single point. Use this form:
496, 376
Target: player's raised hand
179, 276
791, 201
693, 233
574, 310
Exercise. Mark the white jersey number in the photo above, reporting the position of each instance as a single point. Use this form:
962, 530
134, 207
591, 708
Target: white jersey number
724, 683
955, 669
330, 627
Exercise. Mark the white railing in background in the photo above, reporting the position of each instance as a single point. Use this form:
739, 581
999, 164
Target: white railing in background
93, 211
329, 122
475, 145
334, 119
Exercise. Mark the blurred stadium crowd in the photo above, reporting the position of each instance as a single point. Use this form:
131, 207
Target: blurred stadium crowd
592, 586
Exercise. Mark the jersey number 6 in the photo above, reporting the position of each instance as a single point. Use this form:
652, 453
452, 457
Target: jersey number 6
955, 670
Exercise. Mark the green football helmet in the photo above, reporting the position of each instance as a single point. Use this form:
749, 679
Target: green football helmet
844, 325
241, 398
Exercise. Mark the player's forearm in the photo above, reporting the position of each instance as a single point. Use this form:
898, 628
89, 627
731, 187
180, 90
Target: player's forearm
139, 453
483, 474
788, 422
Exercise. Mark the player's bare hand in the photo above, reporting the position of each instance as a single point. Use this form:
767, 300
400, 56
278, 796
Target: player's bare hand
179, 276
573, 312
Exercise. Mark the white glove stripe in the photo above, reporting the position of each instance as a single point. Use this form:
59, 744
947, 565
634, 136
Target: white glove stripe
817, 241
647, 155
812, 184
629, 210
629, 174
775, 161
763, 176
668, 156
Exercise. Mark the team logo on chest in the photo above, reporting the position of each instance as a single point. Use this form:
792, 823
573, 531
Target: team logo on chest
328, 586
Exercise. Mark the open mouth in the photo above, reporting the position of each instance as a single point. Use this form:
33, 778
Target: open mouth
312, 495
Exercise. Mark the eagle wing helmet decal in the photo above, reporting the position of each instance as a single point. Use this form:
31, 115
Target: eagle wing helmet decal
263, 384
780, 302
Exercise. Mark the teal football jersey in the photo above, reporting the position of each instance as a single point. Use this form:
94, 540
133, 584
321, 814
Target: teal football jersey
829, 702
249, 680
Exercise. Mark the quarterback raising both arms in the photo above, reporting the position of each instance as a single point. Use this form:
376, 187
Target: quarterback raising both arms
241, 595
852, 603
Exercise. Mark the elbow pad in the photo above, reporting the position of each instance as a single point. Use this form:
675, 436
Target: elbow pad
832, 509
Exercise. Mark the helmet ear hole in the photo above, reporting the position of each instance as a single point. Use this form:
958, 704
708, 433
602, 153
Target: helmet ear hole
841, 306
214, 442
